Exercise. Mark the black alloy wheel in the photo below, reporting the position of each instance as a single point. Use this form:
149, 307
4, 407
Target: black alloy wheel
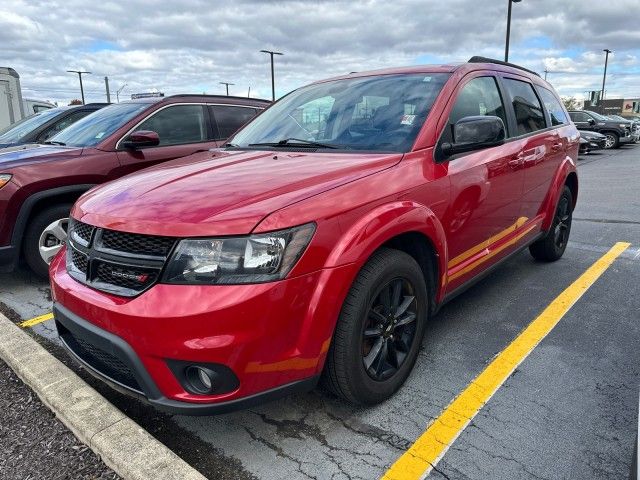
562, 223
390, 329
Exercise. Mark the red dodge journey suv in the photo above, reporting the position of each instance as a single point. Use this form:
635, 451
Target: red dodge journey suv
319, 240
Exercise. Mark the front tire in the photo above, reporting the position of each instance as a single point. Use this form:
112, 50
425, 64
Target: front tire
612, 140
379, 331
552, 246
45, 236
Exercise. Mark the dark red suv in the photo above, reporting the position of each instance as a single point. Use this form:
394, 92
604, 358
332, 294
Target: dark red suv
39, 185
319, 240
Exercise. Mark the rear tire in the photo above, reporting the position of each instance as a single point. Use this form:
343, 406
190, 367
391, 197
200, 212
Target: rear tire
44, 237
552, 246
379, 331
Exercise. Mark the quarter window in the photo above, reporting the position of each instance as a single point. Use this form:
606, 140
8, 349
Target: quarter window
230, 118
556, 112
178, 124
526, 106
478, 97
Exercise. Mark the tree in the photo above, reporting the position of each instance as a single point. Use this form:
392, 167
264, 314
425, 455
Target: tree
75, 101
571, 103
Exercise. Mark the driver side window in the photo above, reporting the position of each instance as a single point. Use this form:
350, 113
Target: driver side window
479, 96
178, 124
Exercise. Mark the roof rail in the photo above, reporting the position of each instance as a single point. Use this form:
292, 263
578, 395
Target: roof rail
217, 96
477, 59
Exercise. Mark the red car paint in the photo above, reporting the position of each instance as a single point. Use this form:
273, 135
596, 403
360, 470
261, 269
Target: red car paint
273, 334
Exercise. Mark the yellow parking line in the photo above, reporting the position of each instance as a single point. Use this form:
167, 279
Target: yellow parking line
418, 461
36, 320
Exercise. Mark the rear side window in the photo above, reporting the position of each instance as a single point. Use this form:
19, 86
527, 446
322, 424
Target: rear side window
230, 118
178, 124
478, 97
556, 112
526, 106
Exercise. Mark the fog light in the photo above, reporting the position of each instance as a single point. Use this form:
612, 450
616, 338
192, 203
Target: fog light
202, 380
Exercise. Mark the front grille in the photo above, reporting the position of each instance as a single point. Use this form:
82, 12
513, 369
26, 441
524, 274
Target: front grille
100, 360
80, 261
121, 263
133, 278
135, 243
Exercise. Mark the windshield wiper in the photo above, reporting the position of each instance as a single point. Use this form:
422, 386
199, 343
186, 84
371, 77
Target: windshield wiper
287, 142
53, 142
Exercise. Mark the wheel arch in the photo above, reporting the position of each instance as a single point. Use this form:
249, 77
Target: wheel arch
565, 175
37, 202
403, 225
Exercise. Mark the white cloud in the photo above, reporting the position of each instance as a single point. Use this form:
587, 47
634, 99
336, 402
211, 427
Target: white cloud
192, 45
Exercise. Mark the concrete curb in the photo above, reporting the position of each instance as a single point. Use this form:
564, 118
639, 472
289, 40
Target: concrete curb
121, 443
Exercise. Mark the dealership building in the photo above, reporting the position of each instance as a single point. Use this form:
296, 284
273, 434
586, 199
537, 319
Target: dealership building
627, 107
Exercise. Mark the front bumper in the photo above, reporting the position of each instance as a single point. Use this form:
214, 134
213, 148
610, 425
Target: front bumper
628, 139
274, 337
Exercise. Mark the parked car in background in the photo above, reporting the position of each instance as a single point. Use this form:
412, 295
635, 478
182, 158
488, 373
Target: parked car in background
320, 239
41, 126
39, 185
590, 141
31, 106
617, 132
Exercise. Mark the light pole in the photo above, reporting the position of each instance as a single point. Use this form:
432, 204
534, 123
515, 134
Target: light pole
227, 85
604, 77
80, 73
506, 46
273, 83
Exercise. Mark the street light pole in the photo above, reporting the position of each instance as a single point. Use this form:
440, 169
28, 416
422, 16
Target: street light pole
506, 45
604, 77
273, 83
227, 85
80, 73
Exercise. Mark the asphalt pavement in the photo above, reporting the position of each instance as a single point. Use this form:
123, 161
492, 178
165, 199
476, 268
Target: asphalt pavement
568, 411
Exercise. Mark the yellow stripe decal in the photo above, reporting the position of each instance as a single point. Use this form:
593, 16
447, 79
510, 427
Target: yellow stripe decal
424, 454
481, 246
36, 320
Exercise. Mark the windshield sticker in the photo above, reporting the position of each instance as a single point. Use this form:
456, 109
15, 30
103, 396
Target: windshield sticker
407, 119
100, 135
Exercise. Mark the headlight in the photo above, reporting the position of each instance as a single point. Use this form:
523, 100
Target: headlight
4, 179
623, 125
232, 260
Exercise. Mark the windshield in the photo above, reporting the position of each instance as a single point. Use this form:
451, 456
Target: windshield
14, 132
97, 126
378, 113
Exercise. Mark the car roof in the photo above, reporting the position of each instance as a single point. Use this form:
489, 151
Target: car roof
203, 99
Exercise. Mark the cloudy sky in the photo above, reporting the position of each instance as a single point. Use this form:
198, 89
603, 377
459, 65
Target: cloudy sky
190, 46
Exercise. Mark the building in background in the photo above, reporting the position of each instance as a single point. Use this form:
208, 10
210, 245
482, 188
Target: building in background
627, 107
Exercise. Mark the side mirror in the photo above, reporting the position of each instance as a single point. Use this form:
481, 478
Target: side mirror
475, 133
141, 139
591, 121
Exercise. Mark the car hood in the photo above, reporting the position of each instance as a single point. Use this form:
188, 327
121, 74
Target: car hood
591, 135
220, 192
27, 154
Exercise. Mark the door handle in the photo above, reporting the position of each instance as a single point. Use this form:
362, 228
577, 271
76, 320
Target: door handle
516, 161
